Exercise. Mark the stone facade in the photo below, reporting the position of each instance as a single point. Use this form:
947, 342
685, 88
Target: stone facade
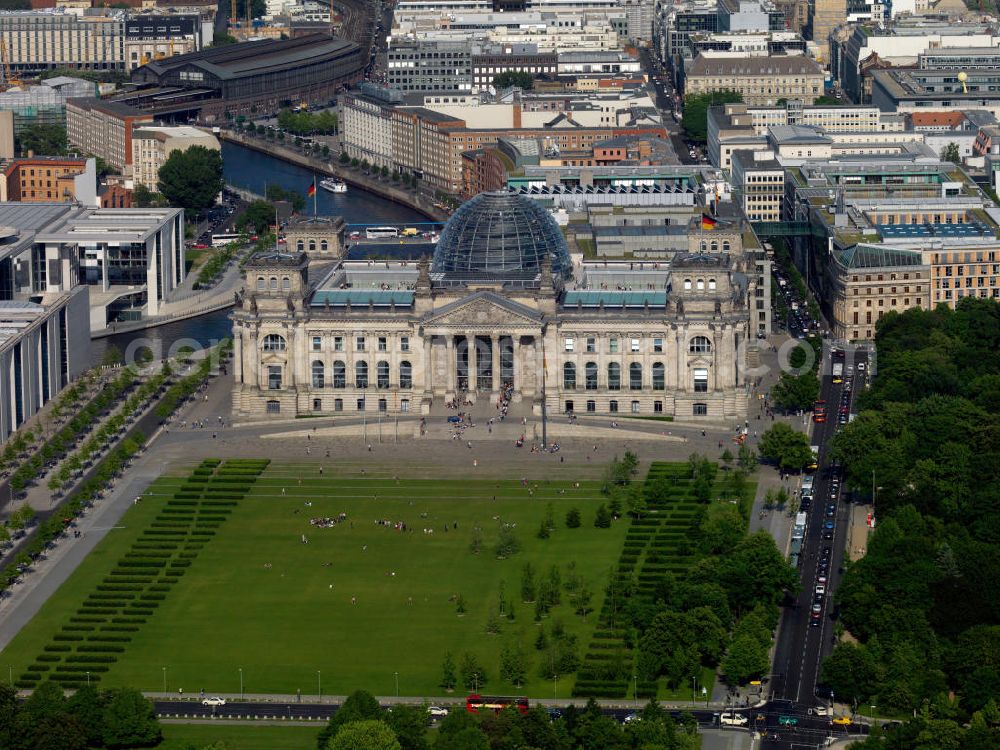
319, 236
389, 339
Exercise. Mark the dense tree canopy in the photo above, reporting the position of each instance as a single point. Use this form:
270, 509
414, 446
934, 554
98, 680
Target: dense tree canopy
192, 179
520, 78
924, 602
696, 106
786, 447
43, 140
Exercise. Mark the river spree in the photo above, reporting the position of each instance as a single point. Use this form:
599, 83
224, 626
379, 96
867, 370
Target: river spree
254, 171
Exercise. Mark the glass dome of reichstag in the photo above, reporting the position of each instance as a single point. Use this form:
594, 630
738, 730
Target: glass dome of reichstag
500, 236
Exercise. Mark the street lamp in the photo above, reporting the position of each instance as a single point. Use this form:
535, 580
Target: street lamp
319, 684
88, 679
241, 683
164, 679
694, 689
635, 689
397, 683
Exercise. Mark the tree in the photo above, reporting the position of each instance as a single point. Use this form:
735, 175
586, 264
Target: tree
192, 179
528, 583
513, 664
275, 193
746, 660
359, 706
258, 216
448, 678
786, 447
143, 197
507, 542
951, 153
43, 140
473, 675
222, 40
409, 724
87, 707
59, 733
602, 519
129, 720
796, 392
370, 734
573, 518
696, 107
520, 78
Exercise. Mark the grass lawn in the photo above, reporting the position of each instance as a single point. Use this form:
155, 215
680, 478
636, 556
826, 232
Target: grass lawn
236, 737
256, 599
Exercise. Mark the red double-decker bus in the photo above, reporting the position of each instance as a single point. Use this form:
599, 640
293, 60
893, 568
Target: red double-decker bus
495, 703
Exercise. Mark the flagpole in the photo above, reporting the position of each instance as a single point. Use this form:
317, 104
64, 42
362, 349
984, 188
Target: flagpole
314, 195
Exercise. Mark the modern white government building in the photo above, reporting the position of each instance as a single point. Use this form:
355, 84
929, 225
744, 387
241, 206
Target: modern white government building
501, 305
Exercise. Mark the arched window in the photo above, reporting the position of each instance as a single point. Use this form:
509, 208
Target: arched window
590, 370
715, 246
711, 285
339, 374
274, 283
324, 246
312, 246
286, 283
274, 343
700, 345
614, 376
704, 246
635, 376
659, 377
300, 246
687, 285
725, 246
382, 374
569, 376
361, 375
318, 373
700, 284
405, 374
261, 284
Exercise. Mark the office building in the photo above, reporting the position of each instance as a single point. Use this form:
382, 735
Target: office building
152, 146
104, 128
760, 80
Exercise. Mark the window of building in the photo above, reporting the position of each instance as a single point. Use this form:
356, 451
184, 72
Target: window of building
274, 283
635, 407
361, 375
261, 284
300, 246
635, 376
634, 345
700, 380
613, 345
700, 410
359, 343
404, 405
700, 285
273, 407
338, 343
274, 377
711, 285
687, 282
614, 376
404, 343
591, 407
700, 345
658, 346
317, 343
569, 376
317, 404
383, 405
274, 343
318, 374
338, 404
657, 407
569, 344
286, 283
361, 404
339, 374
323, 246
659, 376
383, 344
382, 374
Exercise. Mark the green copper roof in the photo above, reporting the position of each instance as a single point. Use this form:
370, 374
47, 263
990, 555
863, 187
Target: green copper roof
362, 297
609, 298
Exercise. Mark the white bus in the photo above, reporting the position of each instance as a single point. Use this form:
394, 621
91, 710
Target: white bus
381, 233
221, 240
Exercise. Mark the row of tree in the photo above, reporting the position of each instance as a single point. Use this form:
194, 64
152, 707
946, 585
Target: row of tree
924, 603
361, 724
308, 123
47, 720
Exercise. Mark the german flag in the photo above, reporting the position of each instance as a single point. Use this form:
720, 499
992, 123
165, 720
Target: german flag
707, 222
311, 191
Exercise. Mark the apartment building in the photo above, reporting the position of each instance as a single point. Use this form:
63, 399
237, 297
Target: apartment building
152, 146
760, 80
55, 38
49, 179
366, 123
104, 129
759, 185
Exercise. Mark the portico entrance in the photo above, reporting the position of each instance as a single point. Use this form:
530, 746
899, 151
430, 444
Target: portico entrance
474, 363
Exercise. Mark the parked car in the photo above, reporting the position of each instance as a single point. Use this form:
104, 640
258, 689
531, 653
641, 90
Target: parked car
214, 701
438, 712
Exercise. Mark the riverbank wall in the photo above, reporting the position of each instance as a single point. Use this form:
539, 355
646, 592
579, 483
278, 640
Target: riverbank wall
409, 198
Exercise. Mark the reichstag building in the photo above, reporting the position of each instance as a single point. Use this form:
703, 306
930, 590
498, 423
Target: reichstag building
501, 307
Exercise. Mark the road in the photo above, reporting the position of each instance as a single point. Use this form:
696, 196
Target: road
803, 639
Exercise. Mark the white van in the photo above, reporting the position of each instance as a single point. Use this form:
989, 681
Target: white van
733, 720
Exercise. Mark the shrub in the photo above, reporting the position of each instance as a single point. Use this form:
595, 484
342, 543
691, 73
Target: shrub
48, 657
119, 628
138, 620
98, 650
66, 637
58, 648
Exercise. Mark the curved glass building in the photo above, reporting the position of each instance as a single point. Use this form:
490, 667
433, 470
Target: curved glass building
500, 236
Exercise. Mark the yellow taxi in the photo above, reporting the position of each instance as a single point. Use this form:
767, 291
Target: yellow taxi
843, 721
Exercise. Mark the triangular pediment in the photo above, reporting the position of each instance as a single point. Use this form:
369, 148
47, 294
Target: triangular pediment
483, 309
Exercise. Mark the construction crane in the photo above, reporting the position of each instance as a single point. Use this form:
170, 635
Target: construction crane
8, 78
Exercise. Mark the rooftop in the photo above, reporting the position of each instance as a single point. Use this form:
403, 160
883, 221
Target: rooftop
876, 256
755, 66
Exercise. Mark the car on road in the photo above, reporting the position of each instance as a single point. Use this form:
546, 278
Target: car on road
214, 701
817, 608
820, 711
828, 525
828, 535
787, 721
843, 721
733, 720
437, 712
630, 718
821, 589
